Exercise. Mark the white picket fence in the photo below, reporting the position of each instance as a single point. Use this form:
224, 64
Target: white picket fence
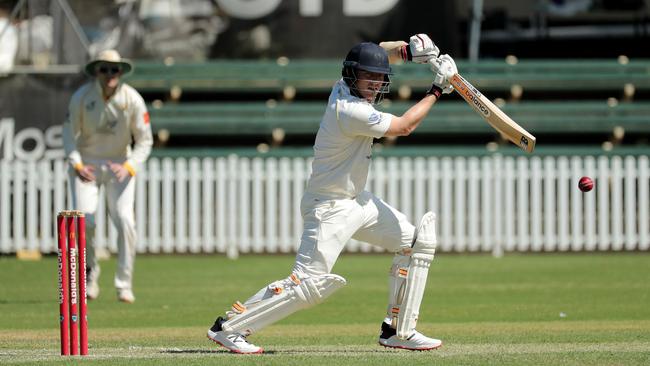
238, 205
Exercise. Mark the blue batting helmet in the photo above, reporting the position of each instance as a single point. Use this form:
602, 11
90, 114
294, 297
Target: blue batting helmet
366, 56
369, 57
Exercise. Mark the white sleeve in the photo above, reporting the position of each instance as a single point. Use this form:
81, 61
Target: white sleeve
8, 46
72, 131
363, 119
141, 131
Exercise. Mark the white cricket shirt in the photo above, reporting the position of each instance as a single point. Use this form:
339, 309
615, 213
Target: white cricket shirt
343, 146
104, 129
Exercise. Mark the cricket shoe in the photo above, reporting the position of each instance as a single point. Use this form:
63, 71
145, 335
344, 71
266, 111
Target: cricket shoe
125, 295
235, 342
415, 342
92, 283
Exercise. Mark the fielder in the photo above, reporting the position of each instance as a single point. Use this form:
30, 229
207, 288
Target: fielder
105, 117
335, 207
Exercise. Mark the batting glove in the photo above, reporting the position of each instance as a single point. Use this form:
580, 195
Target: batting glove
443, 68
420, 49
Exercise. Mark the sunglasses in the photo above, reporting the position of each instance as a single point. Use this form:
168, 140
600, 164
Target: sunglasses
109, 70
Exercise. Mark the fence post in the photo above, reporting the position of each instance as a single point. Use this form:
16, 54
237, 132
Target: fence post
497, 170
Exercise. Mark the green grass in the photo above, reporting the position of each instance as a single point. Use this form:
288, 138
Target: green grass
487, 311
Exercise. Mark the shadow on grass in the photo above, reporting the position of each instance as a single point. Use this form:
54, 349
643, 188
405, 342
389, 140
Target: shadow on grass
204, 351
288, 351
331, 351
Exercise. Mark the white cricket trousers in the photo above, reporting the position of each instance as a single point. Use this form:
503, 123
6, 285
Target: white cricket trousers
120, 200
330, 223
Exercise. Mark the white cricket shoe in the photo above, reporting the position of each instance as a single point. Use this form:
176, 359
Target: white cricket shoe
415, 342
125, 295
92, 283
92, 290
235, 342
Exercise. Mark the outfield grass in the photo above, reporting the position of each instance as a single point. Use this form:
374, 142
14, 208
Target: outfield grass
503, 311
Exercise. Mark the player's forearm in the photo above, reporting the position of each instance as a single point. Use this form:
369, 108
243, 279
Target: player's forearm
415, 115
395, 50
411, 119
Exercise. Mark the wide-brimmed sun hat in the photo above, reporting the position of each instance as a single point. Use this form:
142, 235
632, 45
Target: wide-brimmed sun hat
111, 57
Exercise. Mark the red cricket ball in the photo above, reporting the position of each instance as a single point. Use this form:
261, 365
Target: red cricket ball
586, 184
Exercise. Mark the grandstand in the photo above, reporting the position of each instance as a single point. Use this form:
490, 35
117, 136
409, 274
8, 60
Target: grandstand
228, 102
557, 99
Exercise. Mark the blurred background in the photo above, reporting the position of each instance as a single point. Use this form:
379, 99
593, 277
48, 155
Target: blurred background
236, 89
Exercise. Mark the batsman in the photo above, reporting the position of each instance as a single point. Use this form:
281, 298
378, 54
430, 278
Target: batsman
336, 208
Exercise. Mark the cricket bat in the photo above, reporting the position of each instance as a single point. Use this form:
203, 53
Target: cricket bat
481, 104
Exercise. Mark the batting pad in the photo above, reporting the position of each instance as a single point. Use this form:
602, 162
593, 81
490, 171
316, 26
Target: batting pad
424, 248
416, 281
287, 298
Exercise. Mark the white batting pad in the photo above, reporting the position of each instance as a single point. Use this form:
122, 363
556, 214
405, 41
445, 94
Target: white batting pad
416, 281
396, 284
425, 237
416, 276
280, 299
